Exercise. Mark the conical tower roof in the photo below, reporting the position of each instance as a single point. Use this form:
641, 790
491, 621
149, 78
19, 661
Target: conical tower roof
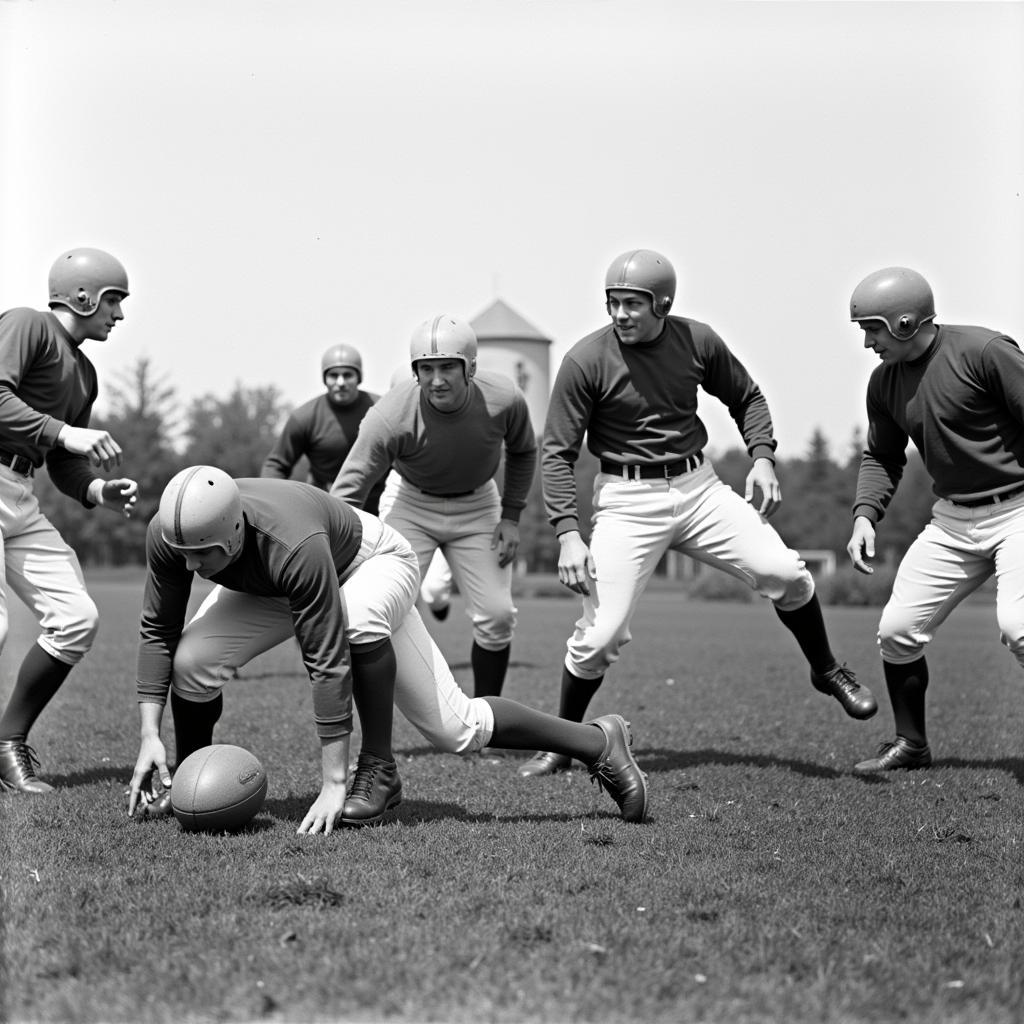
500, 321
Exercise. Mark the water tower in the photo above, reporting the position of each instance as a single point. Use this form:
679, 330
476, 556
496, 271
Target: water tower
511, 345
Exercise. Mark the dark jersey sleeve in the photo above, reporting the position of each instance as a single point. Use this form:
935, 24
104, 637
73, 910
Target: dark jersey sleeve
309, 579
164, 606
291, 445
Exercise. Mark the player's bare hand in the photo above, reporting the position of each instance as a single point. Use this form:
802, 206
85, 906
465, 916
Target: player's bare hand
326, 810
96, 445
575, 563
861, 546
506, 539
762, 478
152, 757
123, 493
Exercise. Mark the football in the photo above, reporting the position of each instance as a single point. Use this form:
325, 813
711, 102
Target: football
218, 788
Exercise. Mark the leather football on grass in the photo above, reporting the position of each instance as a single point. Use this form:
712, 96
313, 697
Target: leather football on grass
218, 788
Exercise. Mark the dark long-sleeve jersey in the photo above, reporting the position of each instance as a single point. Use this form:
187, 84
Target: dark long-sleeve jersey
321, 431
446, 452
637, 404
298, 543
962, 404
46, 381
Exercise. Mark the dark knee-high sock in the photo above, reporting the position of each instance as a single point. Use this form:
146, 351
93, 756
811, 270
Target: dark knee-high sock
39, 678
517, 727
906, 685
576, 695
489, 668
193, 723
807, 624
373, 692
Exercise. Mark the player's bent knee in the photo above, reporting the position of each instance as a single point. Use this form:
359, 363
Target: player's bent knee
466, 733
1011, 634
592, 663
795, 592
899, 647
899, 637
493, 639
75, 637
495, 628
195, 677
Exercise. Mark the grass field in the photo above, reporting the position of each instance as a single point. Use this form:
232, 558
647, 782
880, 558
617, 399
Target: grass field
770, 884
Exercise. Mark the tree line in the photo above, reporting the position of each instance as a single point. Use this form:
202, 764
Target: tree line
236, 433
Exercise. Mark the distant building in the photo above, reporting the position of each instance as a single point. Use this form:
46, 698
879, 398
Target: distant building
511, 345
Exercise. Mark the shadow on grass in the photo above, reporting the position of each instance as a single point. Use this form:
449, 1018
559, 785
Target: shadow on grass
663, 760
1011, 765
89, 776
418, 812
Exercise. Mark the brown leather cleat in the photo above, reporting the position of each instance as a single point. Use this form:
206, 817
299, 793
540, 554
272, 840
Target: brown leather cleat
18, 764
899, 754
374, 790
840, 682
616, 769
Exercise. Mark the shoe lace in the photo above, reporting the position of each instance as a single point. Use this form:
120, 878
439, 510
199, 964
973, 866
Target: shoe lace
26, 760
603, 774
362, 781
844, 678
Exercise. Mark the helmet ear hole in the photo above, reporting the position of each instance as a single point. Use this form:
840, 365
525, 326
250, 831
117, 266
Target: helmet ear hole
80, 277
898, 296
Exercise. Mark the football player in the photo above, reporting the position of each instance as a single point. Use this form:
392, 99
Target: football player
958, 394
444, 432
324, 428
630, 388
289, 560
47, 389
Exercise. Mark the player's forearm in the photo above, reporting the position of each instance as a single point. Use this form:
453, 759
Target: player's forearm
151, 715
334, 756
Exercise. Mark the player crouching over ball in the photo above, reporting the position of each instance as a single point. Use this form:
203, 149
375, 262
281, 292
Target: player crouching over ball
291, 561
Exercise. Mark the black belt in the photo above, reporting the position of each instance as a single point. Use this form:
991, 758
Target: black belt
17, 462
460, 494
653, 470
992, 499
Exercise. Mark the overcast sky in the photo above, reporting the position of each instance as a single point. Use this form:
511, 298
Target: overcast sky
280, 175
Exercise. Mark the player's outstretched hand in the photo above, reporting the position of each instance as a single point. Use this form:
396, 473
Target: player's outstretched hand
152, 756
326, 810
96, 445
506, 539
762, 478
123, 493
575, 563
862, 544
